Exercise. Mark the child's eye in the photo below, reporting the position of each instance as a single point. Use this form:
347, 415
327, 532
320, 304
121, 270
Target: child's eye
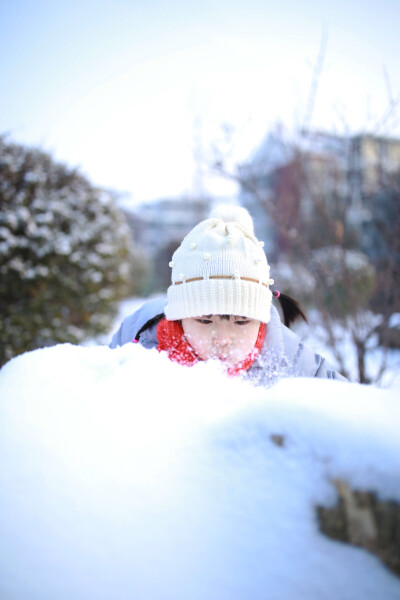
204, 321
242, 321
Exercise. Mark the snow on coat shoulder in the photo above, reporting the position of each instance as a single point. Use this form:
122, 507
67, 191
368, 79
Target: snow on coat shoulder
132, 324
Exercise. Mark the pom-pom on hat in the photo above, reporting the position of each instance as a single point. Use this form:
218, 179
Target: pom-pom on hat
220, 268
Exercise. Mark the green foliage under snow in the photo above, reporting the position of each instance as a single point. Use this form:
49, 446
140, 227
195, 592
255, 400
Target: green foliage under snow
65, 253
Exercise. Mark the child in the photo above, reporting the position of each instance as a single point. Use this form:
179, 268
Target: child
219, 306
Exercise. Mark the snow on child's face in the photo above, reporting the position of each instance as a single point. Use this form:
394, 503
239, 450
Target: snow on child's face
228, 338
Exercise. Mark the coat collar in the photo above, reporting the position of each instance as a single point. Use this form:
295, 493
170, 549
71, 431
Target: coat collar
271, 363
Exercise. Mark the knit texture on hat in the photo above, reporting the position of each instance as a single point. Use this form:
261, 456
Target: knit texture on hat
171, 339
220, 268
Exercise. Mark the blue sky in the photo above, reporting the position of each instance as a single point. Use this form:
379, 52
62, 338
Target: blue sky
131, 91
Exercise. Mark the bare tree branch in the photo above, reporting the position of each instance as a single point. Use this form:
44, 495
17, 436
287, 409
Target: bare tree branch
317, 70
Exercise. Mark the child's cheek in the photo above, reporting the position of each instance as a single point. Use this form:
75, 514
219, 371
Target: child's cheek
201, 346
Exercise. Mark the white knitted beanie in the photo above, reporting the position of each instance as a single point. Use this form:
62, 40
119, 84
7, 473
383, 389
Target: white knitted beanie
220, 268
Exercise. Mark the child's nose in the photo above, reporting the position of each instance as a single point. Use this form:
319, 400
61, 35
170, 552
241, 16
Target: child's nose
222, 337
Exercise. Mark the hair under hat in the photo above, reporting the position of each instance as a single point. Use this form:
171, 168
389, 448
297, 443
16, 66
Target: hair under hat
220, 268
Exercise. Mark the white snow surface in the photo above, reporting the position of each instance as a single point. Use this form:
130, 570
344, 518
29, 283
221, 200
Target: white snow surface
123, 475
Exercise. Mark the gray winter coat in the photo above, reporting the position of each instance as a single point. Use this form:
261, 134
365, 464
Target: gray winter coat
283, 353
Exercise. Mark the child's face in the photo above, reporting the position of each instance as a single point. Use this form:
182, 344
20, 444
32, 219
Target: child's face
225, 337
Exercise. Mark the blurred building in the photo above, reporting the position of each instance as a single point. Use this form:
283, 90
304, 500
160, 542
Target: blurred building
374, 164
257, 183
287, 179
159, 227
162, 222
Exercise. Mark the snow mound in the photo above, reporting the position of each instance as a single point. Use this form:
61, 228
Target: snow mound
124, 475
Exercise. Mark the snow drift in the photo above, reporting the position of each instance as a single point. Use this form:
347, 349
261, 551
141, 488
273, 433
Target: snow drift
124, 475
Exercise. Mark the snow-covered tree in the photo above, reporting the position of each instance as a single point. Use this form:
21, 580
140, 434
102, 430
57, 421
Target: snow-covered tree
66, 253
330, 219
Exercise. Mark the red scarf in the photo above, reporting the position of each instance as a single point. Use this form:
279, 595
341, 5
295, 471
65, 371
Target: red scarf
171, 339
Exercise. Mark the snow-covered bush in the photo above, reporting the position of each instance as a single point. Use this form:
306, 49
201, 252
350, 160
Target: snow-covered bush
65, 253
